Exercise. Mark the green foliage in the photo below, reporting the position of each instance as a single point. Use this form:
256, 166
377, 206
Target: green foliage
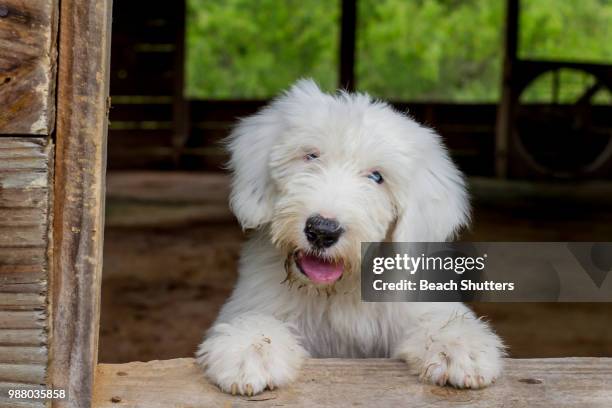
435, 50
430, 49
569, 30
253, 49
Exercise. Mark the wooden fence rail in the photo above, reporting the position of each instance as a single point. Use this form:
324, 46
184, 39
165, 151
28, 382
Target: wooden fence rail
565, 382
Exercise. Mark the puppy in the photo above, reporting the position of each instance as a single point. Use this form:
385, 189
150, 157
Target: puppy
314, 175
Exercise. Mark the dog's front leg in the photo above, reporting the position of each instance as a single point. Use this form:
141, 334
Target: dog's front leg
251, 352
445, 343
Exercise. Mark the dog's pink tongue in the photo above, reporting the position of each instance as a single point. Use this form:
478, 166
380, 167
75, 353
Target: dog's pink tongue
320, 270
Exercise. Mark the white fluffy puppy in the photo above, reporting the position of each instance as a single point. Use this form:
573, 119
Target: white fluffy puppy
314, 175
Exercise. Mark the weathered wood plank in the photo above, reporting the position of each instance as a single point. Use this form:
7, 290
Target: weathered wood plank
25, 170
5, 386
6, 402
23, 147
24, 196
15, 274
569, 382
37, 287
12, 198
82, 107
20, 301
23, 355
22, 162
10, 257
17, 217
23, 319
22, 373
30, 236
27, 66
23, 337
10, 403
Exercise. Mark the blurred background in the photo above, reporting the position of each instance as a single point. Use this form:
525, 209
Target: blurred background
521, 92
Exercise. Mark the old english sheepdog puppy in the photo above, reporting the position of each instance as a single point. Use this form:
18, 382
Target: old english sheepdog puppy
314, 175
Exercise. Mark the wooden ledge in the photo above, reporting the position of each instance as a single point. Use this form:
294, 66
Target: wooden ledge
565, 382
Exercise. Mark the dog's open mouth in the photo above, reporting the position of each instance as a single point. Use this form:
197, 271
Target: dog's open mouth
319, 270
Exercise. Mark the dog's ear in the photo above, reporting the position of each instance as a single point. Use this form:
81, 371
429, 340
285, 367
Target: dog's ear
433, 205
250, 144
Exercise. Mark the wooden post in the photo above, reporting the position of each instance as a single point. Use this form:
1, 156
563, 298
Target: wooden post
180, 107
509, 96
347, 44
83, 79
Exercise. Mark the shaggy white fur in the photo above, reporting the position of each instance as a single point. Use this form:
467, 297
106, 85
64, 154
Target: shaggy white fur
310, 153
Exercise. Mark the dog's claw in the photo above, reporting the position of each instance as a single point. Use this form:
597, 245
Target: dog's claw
249, 390
444, 379
234, 389
481, 381
468, 381
271, 387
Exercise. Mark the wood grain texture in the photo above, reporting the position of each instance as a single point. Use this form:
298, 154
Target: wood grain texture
23, 337
25, 173
570, 382
82, 95
23, 355
26, 166
27, 66
6, 402
23, 319
22, 373
23, 301
23, 288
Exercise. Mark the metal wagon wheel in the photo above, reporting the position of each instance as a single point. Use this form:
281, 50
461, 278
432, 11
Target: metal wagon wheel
564, 140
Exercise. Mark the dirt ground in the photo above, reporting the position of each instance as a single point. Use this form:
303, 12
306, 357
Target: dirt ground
171, 248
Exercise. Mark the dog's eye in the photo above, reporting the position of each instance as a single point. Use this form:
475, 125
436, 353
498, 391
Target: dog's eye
311, 156
376, 176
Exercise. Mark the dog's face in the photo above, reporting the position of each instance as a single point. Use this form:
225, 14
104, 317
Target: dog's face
331, 192
324, 173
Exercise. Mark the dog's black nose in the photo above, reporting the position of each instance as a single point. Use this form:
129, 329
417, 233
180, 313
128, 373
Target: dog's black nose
322, 232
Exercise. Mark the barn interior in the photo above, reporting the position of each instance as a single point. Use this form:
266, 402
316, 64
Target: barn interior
530, 127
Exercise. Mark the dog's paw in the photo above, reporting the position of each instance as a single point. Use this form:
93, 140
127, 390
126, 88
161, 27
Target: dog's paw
465, 353
251, 353
461, 369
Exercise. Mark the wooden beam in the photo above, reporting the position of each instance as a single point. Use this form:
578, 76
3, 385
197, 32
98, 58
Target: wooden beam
27, 66
568, 382
83, 79
180, 106
348, 28
509, 93
512, 29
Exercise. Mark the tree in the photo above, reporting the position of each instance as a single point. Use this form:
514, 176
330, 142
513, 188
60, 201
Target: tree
435, 50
